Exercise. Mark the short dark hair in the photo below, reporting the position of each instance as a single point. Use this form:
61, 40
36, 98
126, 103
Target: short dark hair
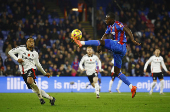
112, 15
29, 38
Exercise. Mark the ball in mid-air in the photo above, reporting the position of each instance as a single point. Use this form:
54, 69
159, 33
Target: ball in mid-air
76, 34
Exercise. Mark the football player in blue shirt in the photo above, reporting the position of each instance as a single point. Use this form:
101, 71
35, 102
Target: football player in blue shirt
117, 45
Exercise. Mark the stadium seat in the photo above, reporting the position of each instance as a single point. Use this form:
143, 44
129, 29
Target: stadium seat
34, 37
50, 20
49, 16
1, 43
26, 36
23, 20
57, 20
38, 11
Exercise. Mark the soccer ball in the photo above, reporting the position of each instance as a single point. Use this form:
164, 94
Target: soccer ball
76, 33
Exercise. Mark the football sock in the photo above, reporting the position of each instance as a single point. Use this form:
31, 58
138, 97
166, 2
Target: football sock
161, 86
45, 95
97, 88
36, 90
124, 79
91, 42
153, 85
119, 84
110, 85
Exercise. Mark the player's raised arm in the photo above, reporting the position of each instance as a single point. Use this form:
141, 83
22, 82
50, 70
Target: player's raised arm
81, 64
146, 64
38, 65
163, 66
128, 31
14, 51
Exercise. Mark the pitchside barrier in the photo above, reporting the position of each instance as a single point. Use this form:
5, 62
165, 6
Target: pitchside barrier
77, 84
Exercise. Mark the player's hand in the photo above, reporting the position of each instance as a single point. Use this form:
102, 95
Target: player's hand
168, 72
136, 43
48, 75
144, 71
20, 61
101, 70
99, 49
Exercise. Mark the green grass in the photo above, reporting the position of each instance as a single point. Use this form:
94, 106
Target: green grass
86, 102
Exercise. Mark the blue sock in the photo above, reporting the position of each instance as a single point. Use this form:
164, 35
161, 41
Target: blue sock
124, 78
92, 42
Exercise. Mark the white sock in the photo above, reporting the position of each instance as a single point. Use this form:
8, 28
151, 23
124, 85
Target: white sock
161, 86
153, 85
36, 90
130, 86
82, 42
110, 85
97, 88
45, 95
119, 84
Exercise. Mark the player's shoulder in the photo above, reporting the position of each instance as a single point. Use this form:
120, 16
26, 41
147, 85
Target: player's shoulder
118, 22
161, 57
95, 56
85, 56
21, 47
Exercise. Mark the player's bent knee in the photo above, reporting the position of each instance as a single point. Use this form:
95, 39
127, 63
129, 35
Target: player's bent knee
30, 80
95, 79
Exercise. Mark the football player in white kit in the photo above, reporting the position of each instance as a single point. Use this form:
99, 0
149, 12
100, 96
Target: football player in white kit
89, 61
156, 62
113, 76
28, 62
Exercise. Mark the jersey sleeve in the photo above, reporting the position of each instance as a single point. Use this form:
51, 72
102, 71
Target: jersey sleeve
81, 63
38, 65
14, 51
163, 64
108, 30
146, 64
119, 26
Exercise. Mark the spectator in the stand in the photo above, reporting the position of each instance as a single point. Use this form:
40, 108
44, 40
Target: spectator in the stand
37, 40
73, 72
137, 70
9, 62
151, 15
8, 71
44, 49
22, 40
80, 10
19, 33
54, 34
75, 64
8, 49
1, 69
16, 71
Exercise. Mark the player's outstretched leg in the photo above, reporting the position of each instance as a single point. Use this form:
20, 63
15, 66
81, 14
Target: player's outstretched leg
161, 86
126, 81
45, 95
30, 81
152, 86
95, 81
111, 82
90, 42
118, 86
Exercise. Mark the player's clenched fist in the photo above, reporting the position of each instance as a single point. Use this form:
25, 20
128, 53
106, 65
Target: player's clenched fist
20, 61
48, 75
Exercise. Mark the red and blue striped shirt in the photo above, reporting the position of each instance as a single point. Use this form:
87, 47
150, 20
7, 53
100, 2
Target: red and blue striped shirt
117, 31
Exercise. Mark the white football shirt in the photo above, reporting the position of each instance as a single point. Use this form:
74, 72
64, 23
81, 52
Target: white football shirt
90, 64
156, 63
30, 59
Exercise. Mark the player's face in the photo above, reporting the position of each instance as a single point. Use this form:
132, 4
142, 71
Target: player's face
89, 51
157, 52
30, 43
108, 20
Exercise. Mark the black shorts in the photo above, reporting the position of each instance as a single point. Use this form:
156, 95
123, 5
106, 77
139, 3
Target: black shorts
157, 75
90, 77
30, 73
113, 75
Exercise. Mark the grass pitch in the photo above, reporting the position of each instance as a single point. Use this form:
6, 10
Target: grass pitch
86, 102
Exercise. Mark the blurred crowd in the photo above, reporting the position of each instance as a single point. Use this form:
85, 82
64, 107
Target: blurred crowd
59, 56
